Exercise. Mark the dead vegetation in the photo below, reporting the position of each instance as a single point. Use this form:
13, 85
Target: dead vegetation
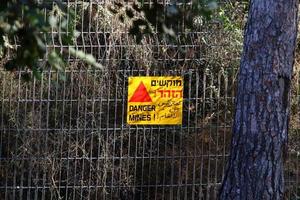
68, 139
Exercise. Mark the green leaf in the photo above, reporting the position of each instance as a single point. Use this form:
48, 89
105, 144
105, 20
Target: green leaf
37, 73
55, 60
53, 21
88, 58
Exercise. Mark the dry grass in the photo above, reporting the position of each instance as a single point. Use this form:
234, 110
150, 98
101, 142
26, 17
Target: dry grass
74, 133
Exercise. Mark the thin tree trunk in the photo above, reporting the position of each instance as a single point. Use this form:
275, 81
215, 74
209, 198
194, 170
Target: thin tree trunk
260, 129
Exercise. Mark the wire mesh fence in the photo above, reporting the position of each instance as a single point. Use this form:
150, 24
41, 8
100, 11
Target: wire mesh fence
67, 138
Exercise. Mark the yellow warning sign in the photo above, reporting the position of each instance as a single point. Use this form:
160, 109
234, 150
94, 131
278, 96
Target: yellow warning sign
155, 100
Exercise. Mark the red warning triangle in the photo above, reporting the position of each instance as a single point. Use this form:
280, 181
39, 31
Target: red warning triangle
141, 94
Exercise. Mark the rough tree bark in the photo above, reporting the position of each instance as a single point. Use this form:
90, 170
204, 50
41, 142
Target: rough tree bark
260, 129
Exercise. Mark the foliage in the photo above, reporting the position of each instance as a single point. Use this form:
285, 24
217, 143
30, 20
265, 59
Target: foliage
90, 100
162, 16
24, 22
233, 15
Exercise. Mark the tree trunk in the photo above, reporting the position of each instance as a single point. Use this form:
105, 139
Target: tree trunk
260, 129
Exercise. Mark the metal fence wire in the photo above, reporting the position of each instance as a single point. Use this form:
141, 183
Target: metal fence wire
67, 138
